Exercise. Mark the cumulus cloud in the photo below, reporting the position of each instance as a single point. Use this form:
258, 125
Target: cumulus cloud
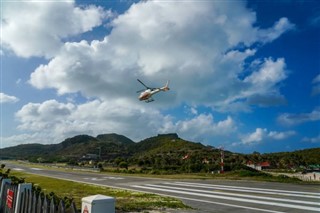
36, 116
270, 72
202, 125
299, 118
4, 98
254, 137
32, 28
196, 50
205, 51
53, 118
93, 117
260, 135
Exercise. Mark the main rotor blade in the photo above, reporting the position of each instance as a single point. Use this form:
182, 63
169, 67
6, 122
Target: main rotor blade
143, 84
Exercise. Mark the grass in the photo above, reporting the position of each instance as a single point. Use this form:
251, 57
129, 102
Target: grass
261, 176
231, 175
126, 201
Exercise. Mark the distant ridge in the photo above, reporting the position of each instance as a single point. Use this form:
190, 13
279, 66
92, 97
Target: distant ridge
168, 148
76, 146
111, 145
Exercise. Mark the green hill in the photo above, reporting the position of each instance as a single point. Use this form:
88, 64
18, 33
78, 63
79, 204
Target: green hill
164, 143
164, 151
26, 150
111, 145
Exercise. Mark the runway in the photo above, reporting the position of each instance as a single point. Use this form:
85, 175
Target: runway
206, 195
239, 199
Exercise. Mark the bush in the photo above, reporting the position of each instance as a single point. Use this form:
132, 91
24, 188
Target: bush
246, 173
123, 164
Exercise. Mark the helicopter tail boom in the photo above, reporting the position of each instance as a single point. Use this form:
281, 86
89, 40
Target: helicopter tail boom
166, 87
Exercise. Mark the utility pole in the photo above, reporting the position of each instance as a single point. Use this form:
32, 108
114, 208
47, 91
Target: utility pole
99, 152
222, 163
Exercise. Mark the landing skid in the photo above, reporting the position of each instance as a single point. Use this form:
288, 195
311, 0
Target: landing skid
149, 100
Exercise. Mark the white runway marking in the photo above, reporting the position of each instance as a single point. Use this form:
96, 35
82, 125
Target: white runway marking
114, 178
240, 194
104, 178
252, 190
37, 169
17, 169
257, 190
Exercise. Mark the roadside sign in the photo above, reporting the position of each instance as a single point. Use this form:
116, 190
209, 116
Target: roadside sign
9, 202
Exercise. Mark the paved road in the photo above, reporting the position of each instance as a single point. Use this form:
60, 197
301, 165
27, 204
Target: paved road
207, 195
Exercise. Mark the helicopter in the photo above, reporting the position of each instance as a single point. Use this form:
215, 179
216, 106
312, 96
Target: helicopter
146, 94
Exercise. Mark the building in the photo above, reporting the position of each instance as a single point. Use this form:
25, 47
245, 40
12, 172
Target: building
258, 166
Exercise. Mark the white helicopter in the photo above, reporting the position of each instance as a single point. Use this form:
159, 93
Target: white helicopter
146, 94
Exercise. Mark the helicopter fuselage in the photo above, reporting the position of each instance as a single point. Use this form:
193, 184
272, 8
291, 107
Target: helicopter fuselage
145, 95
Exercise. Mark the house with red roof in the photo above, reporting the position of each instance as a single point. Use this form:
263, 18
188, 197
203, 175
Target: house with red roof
258, 166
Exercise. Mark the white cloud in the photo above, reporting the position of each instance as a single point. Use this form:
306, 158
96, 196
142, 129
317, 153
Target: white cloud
281, 135
254, 137
269, 74
203, 51
312, 140
196, 50
295, 119
193, 111
95, 117
316, 79
278, 28
200, 126
260, 135
316, 85
35, 28
4, 98
62, 120
49, 114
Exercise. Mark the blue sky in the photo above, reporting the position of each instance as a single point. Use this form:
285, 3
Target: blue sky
244, 75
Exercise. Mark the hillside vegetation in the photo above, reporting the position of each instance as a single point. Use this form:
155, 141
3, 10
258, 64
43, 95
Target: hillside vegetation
165, 153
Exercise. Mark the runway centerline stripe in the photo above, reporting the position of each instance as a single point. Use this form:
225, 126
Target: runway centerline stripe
230, 198
251, 188
207, 186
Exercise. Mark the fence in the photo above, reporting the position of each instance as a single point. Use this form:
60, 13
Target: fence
7, 201
20, 199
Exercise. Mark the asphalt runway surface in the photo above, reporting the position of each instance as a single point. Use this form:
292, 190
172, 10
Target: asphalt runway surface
204, 195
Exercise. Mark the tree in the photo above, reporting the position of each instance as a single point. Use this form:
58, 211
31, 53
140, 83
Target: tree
118, 160
123, 164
